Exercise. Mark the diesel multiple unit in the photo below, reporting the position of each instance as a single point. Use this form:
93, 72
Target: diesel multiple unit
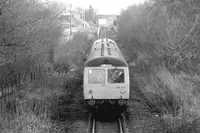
106, 75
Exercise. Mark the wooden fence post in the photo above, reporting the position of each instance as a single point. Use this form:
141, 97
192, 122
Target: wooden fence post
19, 78
31, 76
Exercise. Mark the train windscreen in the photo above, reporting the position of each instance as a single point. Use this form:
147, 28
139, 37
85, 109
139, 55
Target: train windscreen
96, 76
116, 76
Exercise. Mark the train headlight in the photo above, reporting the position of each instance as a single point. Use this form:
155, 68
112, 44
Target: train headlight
90, 91
122, 91
91, 102
121, 102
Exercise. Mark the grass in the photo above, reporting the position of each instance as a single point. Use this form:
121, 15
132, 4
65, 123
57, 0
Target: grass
48, 109
175, 97
26, 123
168, 91
28, 111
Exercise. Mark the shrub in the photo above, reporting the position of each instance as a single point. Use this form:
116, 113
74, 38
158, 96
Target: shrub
173, 96
163, 34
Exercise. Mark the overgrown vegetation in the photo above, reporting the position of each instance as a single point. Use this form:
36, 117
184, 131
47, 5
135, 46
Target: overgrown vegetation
38, 85
162, 38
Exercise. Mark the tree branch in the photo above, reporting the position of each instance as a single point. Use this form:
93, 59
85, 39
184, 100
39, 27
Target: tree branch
1, 6
181, 41
2, 3
9, 44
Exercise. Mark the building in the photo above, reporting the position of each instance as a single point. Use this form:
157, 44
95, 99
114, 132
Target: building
106, 20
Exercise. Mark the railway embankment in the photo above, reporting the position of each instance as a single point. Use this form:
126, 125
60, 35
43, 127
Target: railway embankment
165, 73
49, 101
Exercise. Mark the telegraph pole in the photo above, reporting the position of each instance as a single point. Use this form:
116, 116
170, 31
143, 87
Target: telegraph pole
84, 18
70, 19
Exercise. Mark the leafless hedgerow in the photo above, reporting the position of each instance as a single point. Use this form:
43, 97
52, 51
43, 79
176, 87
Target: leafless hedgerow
165, 37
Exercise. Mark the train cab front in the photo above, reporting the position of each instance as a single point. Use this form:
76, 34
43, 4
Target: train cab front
106, 86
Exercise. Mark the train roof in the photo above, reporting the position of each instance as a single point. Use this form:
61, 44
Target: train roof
105, 51
109, 43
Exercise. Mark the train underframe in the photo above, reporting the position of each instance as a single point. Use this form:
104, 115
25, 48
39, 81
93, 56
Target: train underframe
107, 109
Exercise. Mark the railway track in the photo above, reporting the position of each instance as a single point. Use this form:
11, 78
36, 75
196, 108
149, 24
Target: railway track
105, 33
116, 126
106, 127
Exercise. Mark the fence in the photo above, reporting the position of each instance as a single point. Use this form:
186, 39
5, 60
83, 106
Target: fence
7, 95
11, 81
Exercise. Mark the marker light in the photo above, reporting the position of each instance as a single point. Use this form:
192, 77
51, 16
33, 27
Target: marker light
122, 91
90, 91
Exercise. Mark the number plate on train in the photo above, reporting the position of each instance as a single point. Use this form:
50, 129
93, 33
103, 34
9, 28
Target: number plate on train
120, 87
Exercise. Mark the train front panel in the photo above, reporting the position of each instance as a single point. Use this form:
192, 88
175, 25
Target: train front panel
106, 83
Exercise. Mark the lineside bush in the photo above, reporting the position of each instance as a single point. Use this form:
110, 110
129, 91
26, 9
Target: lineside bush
163, 35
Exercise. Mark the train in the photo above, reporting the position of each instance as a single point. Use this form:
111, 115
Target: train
106, 77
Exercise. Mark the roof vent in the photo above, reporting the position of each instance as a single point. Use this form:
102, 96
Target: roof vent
109, 51
102, 49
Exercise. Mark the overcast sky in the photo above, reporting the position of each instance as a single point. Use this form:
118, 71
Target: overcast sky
104, 6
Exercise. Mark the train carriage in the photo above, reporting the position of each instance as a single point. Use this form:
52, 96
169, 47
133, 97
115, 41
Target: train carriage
106, 75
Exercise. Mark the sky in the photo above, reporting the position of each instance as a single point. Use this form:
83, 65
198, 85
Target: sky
103, 6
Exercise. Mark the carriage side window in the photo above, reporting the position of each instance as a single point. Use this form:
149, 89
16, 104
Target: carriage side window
115, 76
96, 76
